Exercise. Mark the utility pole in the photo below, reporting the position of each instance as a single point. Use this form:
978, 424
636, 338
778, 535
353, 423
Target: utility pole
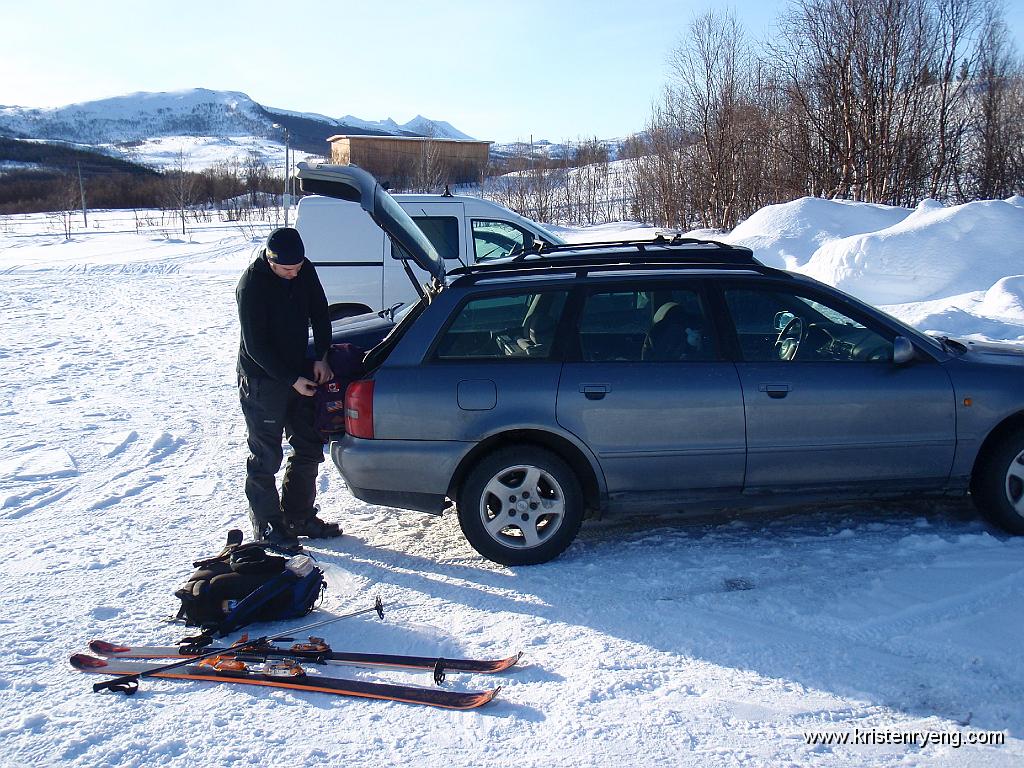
81, 189
287, 170
287, 178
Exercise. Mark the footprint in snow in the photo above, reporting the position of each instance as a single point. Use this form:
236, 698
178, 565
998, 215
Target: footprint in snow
117, 443
163, 446
38, 465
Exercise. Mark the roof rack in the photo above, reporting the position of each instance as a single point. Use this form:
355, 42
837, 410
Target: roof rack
658, 239
616, 254
594, 263
658, 245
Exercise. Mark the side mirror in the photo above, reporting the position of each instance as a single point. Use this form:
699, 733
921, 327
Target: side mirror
782, 319
902, 350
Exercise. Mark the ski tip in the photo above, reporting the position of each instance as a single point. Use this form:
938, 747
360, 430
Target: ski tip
504, 664
103, 647
85, 661
488, 696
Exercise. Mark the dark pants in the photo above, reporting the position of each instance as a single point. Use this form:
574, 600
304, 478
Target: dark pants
271, 409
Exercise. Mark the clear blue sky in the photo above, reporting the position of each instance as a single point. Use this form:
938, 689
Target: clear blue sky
498, 71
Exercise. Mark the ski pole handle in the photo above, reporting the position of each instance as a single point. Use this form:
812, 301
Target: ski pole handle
126, 684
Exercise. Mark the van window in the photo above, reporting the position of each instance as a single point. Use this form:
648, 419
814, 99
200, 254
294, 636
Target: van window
497, 239
441, 231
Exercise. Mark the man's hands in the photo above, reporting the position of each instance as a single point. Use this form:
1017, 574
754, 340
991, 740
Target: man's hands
321, 373
304, 386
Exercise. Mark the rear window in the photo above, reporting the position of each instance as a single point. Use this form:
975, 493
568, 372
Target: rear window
518, 325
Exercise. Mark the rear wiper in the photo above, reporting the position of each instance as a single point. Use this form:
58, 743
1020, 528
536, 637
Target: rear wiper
388, 313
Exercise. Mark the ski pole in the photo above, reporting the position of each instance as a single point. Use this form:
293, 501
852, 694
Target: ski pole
378, 608
129, 684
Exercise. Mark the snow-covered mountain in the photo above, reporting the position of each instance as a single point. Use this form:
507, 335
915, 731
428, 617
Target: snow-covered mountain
229, 119
139, 116
419, 126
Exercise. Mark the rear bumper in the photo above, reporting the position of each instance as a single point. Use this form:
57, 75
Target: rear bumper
407, 474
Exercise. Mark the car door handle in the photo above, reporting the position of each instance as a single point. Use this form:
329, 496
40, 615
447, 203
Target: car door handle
595, 391
776, 391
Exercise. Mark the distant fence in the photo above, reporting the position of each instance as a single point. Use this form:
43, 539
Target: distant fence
254, 222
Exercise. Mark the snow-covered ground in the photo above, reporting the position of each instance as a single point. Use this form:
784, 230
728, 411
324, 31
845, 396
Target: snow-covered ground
652, 642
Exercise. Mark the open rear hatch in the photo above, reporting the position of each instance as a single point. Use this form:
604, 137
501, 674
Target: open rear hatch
352, 183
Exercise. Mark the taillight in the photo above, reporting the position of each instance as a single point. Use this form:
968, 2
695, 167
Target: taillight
359, 409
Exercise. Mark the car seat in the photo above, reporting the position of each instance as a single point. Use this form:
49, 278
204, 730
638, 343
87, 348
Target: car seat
667, 339
537, 335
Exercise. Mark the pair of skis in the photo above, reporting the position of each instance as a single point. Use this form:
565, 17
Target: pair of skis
261, 662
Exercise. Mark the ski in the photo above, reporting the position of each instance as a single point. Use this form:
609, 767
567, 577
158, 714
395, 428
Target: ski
316, 651
286, 674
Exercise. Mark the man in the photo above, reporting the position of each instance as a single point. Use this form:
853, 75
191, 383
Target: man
279, 296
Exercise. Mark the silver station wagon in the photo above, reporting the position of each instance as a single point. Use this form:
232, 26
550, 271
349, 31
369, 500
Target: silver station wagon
659, 375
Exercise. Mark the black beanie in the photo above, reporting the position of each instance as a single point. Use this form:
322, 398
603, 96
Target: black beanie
284, 246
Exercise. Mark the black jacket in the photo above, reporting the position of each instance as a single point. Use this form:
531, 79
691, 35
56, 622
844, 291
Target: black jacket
275, 315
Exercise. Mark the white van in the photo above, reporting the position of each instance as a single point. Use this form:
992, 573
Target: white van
362, 271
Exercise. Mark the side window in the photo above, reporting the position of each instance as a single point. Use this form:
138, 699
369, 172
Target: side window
520, 325
497, 239
441, 231
645, 326
777, 325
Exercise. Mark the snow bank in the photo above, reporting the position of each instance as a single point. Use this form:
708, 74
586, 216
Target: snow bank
788, 234
933, 252
1005, 298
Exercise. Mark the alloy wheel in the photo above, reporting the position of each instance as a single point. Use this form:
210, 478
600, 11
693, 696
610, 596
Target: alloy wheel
522, 506
1015, 483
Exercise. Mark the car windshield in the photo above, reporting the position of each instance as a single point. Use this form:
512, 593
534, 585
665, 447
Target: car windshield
908, 331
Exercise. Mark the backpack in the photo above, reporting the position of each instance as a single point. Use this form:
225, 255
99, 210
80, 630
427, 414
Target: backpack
346, 362
245, 584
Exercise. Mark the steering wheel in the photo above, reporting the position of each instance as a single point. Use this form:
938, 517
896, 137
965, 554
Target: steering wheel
788, 342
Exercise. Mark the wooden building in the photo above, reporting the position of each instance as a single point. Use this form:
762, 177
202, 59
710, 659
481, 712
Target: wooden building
407, 162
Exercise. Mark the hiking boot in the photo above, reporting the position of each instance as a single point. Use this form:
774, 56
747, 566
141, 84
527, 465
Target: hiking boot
313, 528
277, 537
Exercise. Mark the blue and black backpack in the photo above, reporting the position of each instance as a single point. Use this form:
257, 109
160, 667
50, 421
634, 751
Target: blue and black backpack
245, 584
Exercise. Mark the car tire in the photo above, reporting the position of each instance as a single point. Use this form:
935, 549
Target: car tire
520, 505
998, 487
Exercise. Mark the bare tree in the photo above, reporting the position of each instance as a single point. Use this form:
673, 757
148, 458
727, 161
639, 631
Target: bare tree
179, 190
874, 82
529, 184
710, 96
430, 172
67, 198
1000, 132
257, 178
583, 173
